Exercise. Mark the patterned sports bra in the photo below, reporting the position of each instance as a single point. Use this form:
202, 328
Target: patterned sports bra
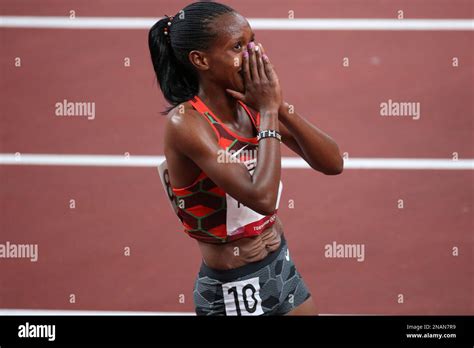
207, 212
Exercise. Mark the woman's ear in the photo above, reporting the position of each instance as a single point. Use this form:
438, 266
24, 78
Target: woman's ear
199, 60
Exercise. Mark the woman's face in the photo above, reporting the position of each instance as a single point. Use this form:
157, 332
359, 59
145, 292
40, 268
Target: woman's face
225, 55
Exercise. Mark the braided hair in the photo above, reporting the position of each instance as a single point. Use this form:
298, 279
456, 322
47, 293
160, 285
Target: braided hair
172, 38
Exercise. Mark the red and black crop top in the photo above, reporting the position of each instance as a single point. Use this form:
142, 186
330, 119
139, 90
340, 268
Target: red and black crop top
207, 212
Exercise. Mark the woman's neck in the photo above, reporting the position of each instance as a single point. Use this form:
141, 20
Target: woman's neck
221, 103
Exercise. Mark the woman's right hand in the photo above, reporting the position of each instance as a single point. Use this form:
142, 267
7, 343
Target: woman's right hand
262, 87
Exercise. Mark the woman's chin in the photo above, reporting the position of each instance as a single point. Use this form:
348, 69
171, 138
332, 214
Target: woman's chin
239, 87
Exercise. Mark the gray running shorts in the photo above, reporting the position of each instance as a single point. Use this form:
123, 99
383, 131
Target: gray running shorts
271, 286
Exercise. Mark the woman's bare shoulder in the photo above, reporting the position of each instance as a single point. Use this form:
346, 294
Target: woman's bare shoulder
185, 125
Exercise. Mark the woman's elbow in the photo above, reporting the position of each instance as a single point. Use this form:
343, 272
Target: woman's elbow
266, 204
336, 167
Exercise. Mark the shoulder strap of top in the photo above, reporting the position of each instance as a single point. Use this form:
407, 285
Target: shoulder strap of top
213, 120
204, 111
254, 118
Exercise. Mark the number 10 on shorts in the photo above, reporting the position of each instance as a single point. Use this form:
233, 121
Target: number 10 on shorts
242, 297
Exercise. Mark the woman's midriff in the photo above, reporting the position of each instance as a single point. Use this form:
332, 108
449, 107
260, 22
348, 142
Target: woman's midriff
242, 251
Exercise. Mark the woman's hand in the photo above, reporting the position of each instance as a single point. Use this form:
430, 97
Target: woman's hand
262, 87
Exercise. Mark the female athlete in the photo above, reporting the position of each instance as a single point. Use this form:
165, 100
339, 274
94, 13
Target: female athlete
223, 132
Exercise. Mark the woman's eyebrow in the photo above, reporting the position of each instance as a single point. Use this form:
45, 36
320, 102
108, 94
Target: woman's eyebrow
243, 37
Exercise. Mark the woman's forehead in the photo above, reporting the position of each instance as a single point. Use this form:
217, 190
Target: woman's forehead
231, 26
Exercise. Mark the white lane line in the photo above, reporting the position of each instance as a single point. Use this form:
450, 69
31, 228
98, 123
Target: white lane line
256, 23
81, 160
286, 162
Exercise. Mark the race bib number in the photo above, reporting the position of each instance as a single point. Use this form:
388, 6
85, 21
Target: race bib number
242, 297
243, 219
165, 181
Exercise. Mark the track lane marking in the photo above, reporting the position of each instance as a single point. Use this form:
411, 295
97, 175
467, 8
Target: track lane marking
48, 22
25, 159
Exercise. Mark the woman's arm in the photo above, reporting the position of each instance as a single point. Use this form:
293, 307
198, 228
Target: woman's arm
312, 144
189, 136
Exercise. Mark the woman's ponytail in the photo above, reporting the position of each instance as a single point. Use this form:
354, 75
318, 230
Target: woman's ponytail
190, 29
177, 83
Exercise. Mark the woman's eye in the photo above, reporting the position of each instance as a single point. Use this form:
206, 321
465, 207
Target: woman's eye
238, 46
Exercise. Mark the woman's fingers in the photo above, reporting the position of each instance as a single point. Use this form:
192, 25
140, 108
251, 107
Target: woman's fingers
236, 95
253, 62
261, 68
245, 68
268, 67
